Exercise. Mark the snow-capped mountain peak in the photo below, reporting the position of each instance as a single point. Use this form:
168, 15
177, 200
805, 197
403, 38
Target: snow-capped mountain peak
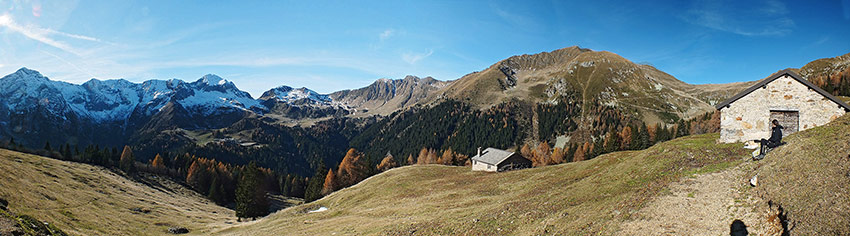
26, 74
118, 99
290, 95
122, 101
213, 80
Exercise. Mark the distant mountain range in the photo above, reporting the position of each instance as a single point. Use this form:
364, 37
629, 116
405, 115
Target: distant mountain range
35, 109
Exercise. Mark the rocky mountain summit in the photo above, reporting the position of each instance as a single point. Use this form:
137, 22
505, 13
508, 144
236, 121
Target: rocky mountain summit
385, 95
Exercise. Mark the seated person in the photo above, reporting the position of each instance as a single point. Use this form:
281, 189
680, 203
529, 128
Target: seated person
774, 141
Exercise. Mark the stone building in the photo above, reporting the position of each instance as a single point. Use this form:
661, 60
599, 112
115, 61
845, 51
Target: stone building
493, 160
785, 96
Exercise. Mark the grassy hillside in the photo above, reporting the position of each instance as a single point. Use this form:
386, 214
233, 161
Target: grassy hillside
809, 179
589, 197
82, 199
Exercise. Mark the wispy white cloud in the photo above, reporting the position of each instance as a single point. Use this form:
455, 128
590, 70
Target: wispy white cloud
772, 20
43, 35
412, 58
34, 34
386, 34
76, 36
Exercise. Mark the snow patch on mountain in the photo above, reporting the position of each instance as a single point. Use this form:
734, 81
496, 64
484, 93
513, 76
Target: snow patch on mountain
213, 80
210, 101
296, 95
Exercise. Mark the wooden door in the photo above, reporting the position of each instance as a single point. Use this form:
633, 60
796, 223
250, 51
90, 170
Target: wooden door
789, 120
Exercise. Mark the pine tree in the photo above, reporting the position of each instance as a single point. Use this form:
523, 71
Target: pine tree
387, 163
298, 188
423, 157
193, 174
626, 138
115, 157
681, 129
127, 162
47, 146
158, 163
330, 184
581, 152
526, 151
432, 156
635, 144
568, 156
653, 134
250, 196
410, 160
313, 190
643, 134
286, 185
447, 158
612, 142
352, 168
661, 133
66, 152
216, 191
557, 156
541, 155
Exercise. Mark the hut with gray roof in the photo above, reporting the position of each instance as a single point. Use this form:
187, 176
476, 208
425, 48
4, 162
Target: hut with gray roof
497, 160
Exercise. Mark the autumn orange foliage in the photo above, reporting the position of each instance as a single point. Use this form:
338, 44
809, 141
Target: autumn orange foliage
387, 163
330, 183
157, 162
352, 168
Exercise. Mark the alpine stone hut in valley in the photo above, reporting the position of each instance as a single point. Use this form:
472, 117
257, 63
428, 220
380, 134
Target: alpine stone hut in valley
493, 160
786, 97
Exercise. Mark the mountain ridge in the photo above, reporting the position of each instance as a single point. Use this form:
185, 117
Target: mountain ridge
571, 94
590, 76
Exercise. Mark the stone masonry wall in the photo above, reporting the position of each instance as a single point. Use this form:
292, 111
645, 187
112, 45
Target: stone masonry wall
748, 118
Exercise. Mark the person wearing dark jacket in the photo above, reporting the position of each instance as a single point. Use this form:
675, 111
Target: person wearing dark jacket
774, 141
775, 135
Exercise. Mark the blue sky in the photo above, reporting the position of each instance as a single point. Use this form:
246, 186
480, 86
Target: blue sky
329, 46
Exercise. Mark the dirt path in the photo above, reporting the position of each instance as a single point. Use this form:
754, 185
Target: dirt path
706, 204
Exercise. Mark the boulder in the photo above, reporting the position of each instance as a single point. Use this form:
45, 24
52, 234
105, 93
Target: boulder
178, 230
754, 181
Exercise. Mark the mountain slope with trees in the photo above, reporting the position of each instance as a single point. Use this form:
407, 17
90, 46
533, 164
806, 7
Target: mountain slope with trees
566, 98
831, 74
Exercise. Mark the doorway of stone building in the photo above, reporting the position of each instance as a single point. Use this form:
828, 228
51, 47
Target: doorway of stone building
790, 120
